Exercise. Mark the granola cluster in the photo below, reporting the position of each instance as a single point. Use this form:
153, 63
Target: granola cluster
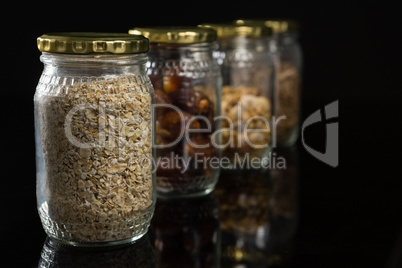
247, 115
96, 137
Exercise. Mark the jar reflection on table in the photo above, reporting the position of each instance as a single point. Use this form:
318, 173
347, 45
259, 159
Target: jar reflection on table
185, 232
258, 212
138, 254
284, 206
244, 202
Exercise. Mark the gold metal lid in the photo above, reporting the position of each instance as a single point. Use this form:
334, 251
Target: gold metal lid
92, 43
175, 34
230, 29
277, 25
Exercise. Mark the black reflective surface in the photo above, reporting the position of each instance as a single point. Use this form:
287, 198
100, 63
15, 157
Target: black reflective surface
140, 254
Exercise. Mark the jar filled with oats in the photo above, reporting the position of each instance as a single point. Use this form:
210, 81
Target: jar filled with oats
288, 58
187, 85
247, 69
94, 135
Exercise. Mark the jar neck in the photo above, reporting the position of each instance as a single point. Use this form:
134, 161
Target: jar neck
288, 38
259, 44
190, 60
93, 65
242, 51
180, 51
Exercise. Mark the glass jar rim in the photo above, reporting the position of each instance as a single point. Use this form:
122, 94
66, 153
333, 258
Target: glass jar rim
175, 34
232, 30
92, 43
276, 25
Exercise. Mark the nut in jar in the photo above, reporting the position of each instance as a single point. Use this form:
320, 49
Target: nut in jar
246, 66
288, 61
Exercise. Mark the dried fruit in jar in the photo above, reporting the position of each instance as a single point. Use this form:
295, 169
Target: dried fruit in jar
175, 82
162, 101
171, 125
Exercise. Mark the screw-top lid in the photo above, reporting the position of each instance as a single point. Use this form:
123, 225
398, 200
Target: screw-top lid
92, 43
277, 25
175, 35
231, 30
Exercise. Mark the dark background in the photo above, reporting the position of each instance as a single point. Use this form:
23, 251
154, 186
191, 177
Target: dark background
350, 216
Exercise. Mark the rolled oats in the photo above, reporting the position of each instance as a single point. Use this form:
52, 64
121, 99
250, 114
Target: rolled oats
94, 136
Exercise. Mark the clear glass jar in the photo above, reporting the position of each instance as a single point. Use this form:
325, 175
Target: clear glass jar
288, 58
247, 69
94, 135
187, 85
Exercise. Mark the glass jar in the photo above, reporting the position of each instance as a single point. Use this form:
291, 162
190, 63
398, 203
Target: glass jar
288, 58
247, 69
94, 135
187, 85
